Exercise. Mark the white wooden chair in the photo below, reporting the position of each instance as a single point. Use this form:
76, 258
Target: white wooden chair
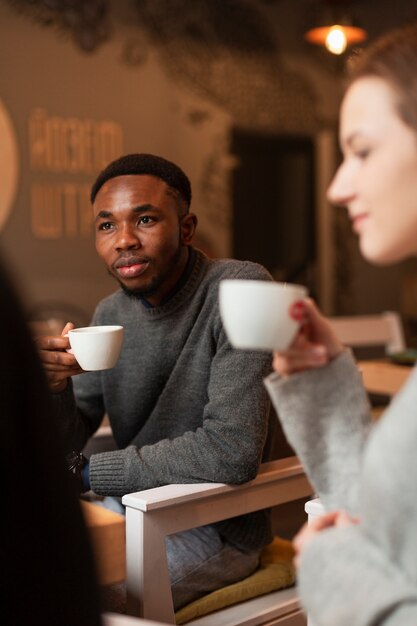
369, 331
153, 514
384, 329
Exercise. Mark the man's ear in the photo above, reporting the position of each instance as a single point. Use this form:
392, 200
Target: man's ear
188, 225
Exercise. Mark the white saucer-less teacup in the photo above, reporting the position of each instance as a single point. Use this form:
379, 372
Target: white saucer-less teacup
256, 313
96, 347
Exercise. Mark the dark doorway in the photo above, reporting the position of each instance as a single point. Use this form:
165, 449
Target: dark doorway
273, 204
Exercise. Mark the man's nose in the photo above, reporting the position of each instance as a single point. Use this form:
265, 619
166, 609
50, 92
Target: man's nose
128, 238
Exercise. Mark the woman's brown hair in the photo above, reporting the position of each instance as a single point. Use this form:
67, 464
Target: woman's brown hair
393, 58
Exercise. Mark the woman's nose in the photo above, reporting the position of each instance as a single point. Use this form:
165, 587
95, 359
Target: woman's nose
340, 190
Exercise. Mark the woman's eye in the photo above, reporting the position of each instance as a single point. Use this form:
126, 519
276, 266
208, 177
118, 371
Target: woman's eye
362, 154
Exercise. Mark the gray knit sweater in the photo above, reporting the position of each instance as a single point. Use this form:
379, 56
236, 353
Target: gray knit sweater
366, 574
184, 406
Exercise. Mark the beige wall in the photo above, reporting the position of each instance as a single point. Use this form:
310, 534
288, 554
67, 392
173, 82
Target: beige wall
163, 100
72, 95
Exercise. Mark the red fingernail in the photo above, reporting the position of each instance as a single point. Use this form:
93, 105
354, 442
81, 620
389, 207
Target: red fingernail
297, 310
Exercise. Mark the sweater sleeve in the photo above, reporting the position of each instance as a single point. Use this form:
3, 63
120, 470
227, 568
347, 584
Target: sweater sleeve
325, 415
76, 428
226, 448
364, 574
346, 579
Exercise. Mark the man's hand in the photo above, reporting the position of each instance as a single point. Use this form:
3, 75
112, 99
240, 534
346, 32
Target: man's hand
334, 519
59, 363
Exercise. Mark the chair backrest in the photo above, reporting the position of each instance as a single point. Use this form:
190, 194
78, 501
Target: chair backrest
384, 329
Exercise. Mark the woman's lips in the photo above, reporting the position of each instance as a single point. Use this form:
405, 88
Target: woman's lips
358, 221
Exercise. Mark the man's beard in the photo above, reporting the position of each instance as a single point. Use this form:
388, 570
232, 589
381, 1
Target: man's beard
154, 283
147, 290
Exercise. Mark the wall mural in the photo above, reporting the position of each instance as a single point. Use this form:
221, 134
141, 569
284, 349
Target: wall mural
63, 147
85, 21
227, 52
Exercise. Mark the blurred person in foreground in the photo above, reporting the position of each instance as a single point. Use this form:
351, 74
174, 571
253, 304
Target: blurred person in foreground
184, 406
48, 570
357, 565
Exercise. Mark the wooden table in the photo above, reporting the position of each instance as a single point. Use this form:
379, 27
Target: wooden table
107, 532
383, 377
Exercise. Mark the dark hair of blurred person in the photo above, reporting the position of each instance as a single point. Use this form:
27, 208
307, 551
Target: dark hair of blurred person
49, 575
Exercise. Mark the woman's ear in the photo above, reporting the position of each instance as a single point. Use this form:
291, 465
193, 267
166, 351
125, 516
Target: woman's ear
188, 225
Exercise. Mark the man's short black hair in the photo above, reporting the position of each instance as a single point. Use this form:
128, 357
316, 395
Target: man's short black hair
146, 164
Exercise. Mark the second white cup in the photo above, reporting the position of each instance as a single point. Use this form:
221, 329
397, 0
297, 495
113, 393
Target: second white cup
96, 347
256, 313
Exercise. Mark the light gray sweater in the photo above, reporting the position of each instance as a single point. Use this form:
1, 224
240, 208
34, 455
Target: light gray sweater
184, 406
365, 574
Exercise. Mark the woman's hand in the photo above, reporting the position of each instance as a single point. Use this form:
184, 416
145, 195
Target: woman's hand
58, 363
334, 519
315, 344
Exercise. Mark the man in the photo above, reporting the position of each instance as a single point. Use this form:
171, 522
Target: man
183, 405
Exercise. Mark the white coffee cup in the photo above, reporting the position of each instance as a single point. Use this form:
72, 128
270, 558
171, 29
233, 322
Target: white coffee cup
256, 313
96, 347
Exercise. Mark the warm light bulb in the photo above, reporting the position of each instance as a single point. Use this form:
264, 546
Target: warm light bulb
336, 40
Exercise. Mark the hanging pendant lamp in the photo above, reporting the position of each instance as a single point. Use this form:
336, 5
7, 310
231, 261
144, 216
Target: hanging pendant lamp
335, 29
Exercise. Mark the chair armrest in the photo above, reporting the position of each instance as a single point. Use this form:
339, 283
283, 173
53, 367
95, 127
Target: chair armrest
277, 482
153, 514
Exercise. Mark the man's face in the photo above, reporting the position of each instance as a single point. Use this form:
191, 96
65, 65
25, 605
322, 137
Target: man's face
142, 234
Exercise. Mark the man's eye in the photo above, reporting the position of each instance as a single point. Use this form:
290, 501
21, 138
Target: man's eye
146, 219
105, 226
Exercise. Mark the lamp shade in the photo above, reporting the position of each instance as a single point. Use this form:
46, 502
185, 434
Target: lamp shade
335, 31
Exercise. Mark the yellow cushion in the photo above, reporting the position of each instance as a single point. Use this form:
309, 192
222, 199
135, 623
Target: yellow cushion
275, 571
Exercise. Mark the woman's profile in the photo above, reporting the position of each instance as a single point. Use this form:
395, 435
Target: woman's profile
357, 565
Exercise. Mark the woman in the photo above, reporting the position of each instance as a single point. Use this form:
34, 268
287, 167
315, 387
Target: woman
358, 563
48, 570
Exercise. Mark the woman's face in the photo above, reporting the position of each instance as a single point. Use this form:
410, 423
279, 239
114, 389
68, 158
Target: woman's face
377, 180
